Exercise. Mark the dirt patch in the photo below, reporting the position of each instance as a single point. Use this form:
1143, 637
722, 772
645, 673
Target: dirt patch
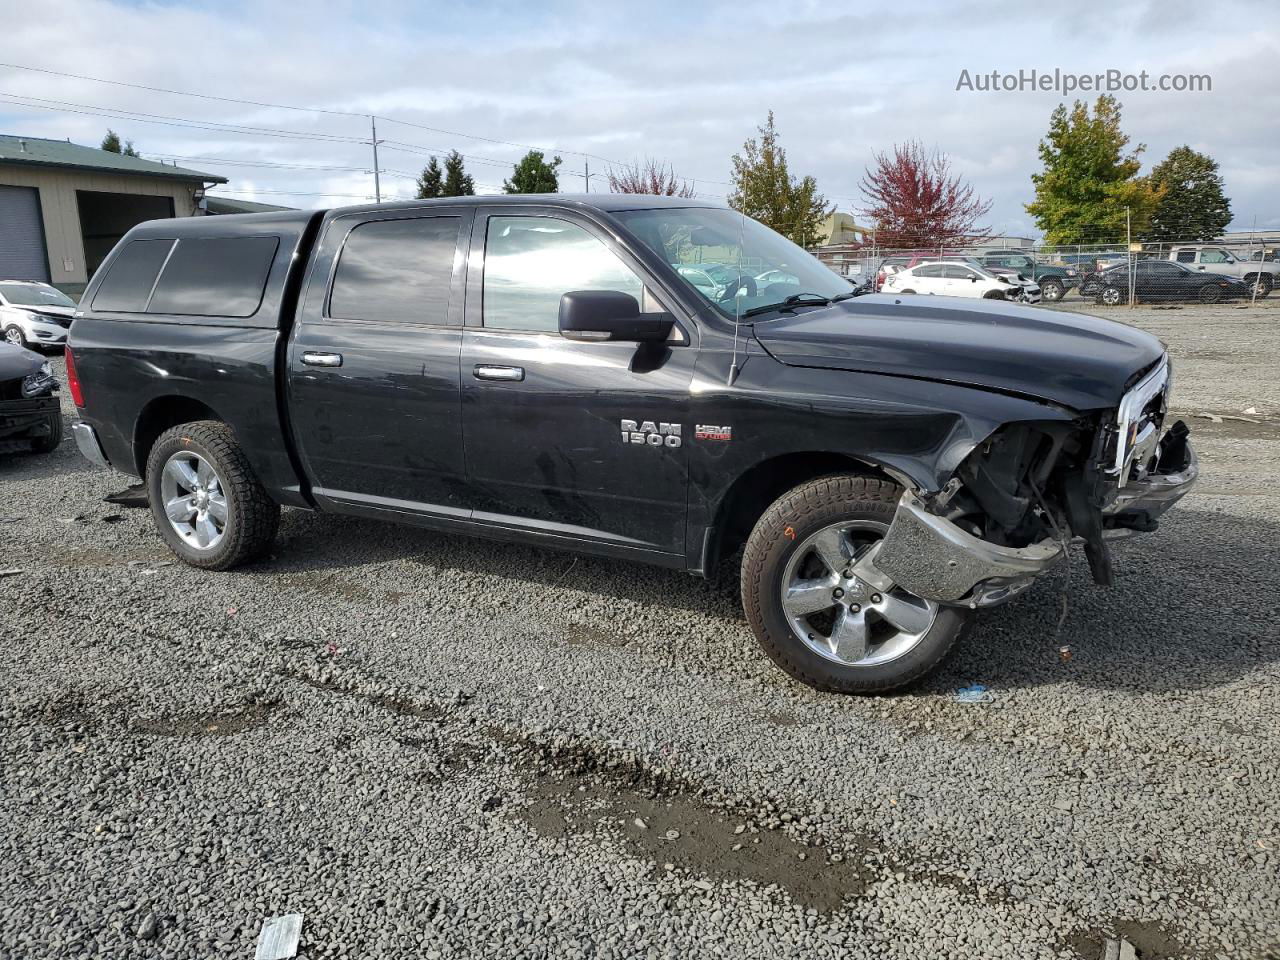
586, 635
686, 837
334, 586
1151, 941
216, 723
1231, 427
71, 713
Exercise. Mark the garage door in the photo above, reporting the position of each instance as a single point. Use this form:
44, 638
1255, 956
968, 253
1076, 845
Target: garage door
22, 253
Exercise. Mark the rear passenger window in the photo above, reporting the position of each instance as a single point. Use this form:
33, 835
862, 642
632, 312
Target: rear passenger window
396, 271
131, 275
222, 277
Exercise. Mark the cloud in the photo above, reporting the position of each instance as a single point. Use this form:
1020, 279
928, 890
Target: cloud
684, 83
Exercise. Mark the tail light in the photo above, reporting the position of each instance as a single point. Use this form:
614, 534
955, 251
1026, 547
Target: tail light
73, 381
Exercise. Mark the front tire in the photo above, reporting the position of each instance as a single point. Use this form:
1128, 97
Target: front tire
1210, 293
207, 502
13, 334
812, 613
50, 441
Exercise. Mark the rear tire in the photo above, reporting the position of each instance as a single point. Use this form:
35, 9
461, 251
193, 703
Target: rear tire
220, 480
1051, 291
1111, 296
778, 549
1262, 282
1209, 293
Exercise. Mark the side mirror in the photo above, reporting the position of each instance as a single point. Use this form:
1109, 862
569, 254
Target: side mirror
600, 315
973, 279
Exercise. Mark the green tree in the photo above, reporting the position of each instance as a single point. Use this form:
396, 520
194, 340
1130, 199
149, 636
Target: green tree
111, 143
534, 175
431, 183
764, 189
1088, 180
1192, 205
456, 181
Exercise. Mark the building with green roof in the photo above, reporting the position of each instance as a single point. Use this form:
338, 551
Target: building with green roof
63, 206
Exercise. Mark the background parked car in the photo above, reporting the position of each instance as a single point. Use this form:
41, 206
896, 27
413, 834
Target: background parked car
1054, 281
33, 314
1207, 259
29, 408
1164, 280
955, 278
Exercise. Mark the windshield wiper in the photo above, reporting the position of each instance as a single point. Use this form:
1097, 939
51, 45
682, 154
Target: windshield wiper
795, 300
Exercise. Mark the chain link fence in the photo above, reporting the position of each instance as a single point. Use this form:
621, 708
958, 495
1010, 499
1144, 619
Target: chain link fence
1241, 267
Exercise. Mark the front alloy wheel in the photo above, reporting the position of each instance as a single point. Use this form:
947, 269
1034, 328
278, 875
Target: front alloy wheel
834, 607
1111, 296
820, 608
13, 335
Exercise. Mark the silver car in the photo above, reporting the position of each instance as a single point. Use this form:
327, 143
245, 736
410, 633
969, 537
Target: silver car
34, 315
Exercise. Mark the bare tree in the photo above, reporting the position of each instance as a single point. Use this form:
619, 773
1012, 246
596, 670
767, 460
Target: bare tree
648, 176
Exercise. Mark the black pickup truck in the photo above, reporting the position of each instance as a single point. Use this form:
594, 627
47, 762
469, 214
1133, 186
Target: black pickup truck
540, 369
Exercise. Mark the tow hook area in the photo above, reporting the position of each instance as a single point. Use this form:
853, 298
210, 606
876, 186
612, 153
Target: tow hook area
934, 559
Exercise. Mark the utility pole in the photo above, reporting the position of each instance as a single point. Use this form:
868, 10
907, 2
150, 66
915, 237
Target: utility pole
377, 182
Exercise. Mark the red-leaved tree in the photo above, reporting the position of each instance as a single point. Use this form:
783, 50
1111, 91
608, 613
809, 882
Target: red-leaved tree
915, 200
648, 176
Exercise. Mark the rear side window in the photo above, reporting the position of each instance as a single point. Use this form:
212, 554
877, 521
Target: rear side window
396, 271
215, 277
133, 271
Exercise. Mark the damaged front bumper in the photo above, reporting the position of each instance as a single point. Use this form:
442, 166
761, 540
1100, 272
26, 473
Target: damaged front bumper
935, 559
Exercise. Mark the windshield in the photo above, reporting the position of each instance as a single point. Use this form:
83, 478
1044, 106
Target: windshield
752, 267
34, 295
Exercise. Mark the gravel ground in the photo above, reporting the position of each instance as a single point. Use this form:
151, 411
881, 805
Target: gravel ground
433, 746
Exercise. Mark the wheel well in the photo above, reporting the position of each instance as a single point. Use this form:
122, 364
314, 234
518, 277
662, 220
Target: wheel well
158, 416
756, 490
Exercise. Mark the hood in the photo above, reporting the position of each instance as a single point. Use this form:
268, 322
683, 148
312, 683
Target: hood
16, 362
1070, 359
52, 310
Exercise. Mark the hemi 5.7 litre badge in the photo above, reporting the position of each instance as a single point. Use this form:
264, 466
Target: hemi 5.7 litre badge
653, 434
708, 431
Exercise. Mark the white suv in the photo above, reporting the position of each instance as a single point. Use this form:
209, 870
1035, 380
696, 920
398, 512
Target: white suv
954, 278
34, 314
1259, 274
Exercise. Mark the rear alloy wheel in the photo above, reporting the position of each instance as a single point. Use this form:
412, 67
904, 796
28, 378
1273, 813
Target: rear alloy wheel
1052, 291
1111, 296
207, 503
819, 607
13, 334
1210, 293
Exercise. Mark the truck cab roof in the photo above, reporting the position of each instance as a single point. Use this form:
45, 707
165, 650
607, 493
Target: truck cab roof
294, 221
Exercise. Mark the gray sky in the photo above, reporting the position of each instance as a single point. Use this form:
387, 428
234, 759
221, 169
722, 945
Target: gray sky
681, 82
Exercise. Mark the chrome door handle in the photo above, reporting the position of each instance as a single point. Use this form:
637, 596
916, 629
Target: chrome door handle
487, 371
313, 359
